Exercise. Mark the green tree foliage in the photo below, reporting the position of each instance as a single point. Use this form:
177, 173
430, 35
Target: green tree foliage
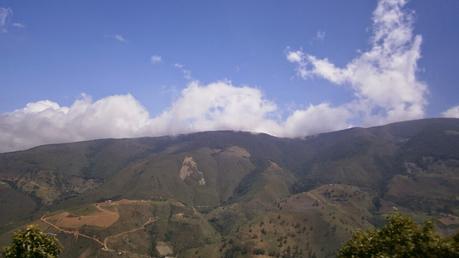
401, 237
32, 243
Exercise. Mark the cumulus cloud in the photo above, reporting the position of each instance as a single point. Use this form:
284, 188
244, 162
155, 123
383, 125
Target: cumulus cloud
5, 16
47, 122
215, 106
316, 119
155, 59
452, 112
383, 78
218, 106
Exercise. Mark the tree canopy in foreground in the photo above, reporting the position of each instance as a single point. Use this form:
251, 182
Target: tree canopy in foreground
31, 242
401, 237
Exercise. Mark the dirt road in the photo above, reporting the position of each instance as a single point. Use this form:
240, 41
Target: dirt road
148, 222
104, 243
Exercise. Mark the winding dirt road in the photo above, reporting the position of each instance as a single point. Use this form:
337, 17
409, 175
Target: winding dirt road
148, 222
76, 233
104, 243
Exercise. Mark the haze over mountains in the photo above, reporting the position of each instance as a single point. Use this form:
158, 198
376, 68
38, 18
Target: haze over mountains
232, 194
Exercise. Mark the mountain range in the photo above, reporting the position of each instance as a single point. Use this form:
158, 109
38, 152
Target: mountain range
232, 194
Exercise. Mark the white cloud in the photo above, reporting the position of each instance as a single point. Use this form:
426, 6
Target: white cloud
120, 38
218, 106
186, 72
383, 78
295, 56
5, 16
18, 25
215, 106
320, 35
316, 119
47, 122
452, 112
155, 59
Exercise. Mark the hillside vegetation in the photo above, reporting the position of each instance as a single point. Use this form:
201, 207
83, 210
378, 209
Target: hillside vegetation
232, 194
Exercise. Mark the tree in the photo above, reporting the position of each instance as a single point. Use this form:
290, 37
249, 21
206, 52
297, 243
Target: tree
31, 242
401, 237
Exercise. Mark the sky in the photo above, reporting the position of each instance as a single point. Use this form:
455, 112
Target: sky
81, 70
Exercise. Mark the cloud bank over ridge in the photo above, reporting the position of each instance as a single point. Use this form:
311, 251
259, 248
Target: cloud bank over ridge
452, 112
216, 106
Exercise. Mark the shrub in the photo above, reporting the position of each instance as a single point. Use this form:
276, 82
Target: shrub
33, 243
400, 237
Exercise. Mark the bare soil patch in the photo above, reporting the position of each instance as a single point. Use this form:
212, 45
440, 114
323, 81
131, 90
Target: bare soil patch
164, 248
102, 218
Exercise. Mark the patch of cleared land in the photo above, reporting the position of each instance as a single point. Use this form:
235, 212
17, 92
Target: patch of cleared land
102, 218
237, 151
164, 248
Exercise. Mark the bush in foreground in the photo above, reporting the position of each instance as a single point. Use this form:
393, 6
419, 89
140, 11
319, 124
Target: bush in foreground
31, 242
400, 237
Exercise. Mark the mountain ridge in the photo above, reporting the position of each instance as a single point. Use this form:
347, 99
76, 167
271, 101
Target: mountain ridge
247, 192
422, 120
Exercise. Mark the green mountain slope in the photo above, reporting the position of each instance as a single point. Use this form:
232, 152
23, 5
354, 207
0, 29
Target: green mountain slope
236, 194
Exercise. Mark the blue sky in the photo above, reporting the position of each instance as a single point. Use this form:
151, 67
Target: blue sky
52, 52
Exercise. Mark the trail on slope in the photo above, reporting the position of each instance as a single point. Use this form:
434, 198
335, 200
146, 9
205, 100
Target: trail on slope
76, 233
149, 221
104, 243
